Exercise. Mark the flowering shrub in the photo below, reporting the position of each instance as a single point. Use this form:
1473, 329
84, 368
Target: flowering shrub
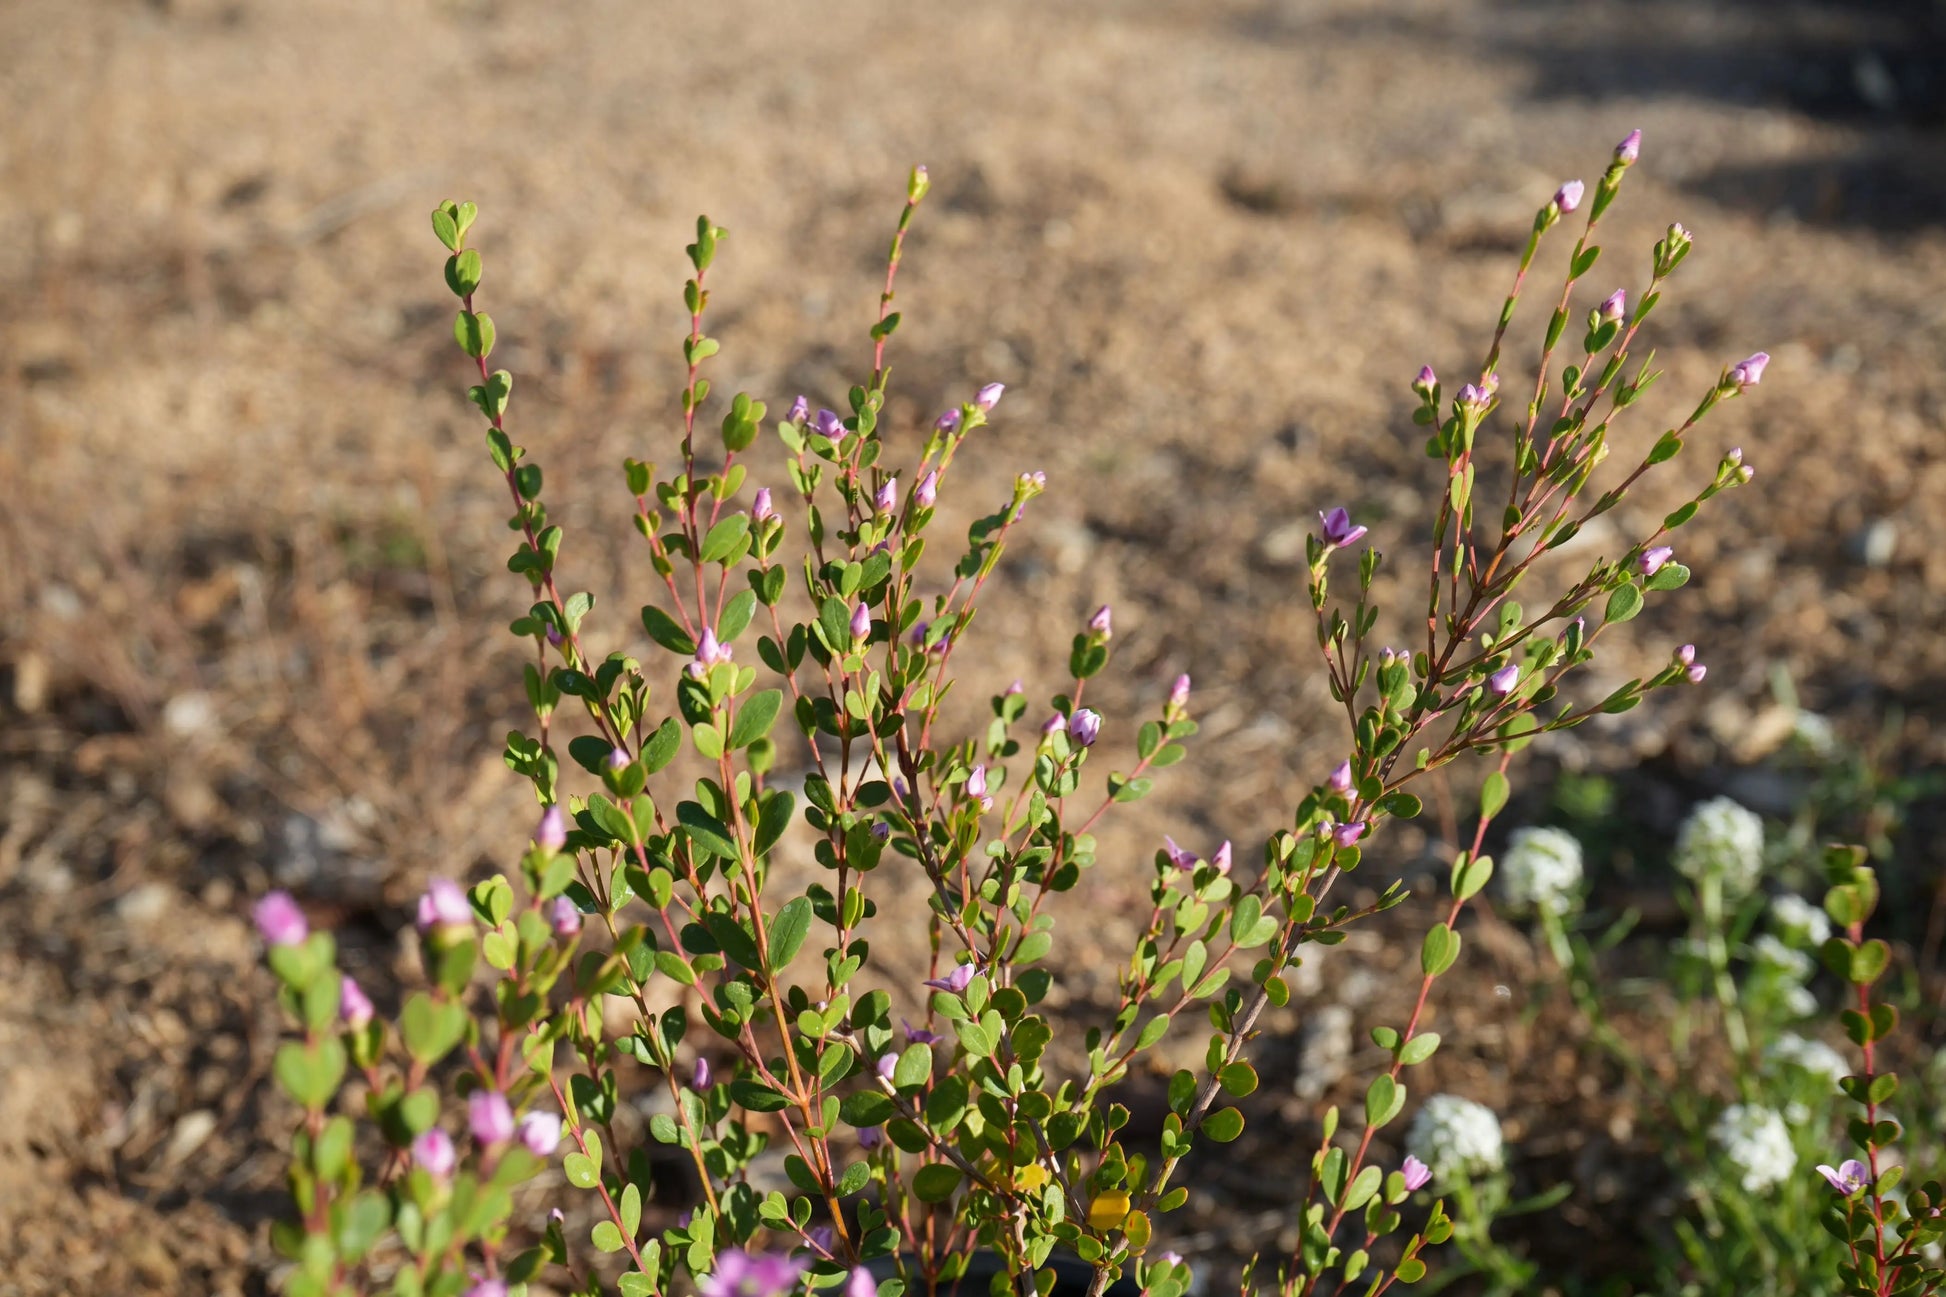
646, 943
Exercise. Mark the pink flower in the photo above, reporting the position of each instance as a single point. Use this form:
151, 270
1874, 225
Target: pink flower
1221, 860
1416, 1173
551, 834
1347, 834
1502, 682
489, 1117
1568, 196
1848, 1177
540, 1133
1178, 857
1338, 531
444, 906
739, 1274
354, 1006
564, 916
859, 1283
1652, 560
989, 396
1749, 371
433, 1151
279, 920
955, 981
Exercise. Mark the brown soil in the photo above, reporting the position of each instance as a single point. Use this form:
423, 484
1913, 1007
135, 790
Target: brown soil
250, 605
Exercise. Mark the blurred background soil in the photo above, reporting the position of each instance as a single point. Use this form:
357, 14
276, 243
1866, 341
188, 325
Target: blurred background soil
253, 597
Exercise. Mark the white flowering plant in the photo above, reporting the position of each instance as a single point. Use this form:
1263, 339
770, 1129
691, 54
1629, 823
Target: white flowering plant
1761, 1093
656, 948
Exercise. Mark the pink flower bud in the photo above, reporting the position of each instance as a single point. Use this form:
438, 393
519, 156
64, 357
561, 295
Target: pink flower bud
947, 422
564, 916
1179, 692
1085, 726
887, 1064
870, 1137
887, 497
1749, 371
989, 396
1416, 1173
861, 622
1696, 671
1502, 682
1630, 148
1425, 381
761, 509
1103, 622
489, 1117
444, 906
928, 490
279, 920
1347, 834
1615, 305
1568, 196
540, 1133
487, 1288
1340, 780
354, 1006
1221, 860
1179, 857
1652, 559
830, 425
434, 1153
800, 411
699, 1079
551, 834
859, 1283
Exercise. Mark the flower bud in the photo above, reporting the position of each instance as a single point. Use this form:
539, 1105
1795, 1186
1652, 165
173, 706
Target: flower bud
1179, 692
354, 1006
1685, 655
444, 905
279, 920
861, 622
1014, 689
928, 490
1221, 860
919, 182
1502, 682
761, 510
1629, 149
699, 1079
1415, 1172
1347, 834
1473, 399
489, 1117
709, 652
976, 781
830, 425
1568, 196
488, 1288
859, 1283
433, 1152
989, 396
1749, 371
887, 1064
1054, 724
1615, 305
1340, 781
1696, 672
1426, 380
540, 1133
1102, 623
887, 497
870, 1137
947, 422
1338, 530
564, 916
1085, 725
1178, 857
1652, 559
551, 834
881, 831
800, 411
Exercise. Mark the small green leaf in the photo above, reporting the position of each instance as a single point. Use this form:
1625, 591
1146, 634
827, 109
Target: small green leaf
787, 933
936, 1181
1223, 1125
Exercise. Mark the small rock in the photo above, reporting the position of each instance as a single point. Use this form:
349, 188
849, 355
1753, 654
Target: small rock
1324, 1051
191, 1131
1877, 543
188, 714
144, 904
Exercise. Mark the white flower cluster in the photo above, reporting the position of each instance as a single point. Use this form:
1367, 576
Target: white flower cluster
1456, 1137
1724, 840
1814, 1056
1788, 961
1798, 921
1757, 1143
1541, 870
